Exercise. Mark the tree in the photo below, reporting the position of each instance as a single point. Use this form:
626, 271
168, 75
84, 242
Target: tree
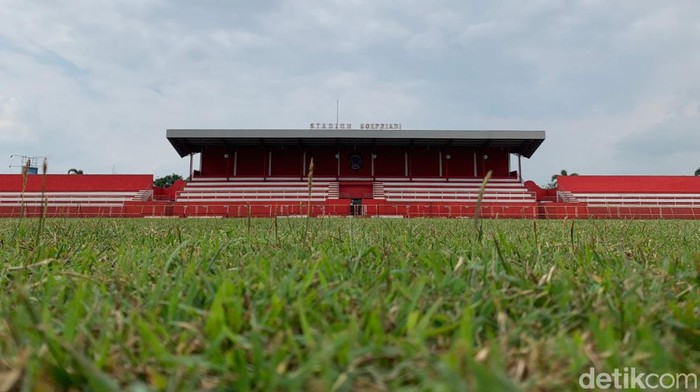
167, 181
75, 171
697, 172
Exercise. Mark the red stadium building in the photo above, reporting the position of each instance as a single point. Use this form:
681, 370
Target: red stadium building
359, 172
366, 172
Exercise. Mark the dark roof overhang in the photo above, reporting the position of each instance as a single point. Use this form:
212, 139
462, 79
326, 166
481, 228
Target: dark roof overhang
187, 141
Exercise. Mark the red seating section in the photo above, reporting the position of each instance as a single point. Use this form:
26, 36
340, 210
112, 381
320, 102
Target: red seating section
254, 197
615, 197
73, 195
626, 197
390, 197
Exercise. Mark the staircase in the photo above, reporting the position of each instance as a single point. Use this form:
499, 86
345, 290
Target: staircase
567, 197
333, 190
143, 195
378, 190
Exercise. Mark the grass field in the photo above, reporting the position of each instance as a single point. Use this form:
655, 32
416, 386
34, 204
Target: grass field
343, 304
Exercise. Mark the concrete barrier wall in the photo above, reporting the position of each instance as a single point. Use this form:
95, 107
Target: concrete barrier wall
77, 183
629, 184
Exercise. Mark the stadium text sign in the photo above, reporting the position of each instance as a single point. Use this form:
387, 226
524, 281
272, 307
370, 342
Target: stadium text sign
363, 126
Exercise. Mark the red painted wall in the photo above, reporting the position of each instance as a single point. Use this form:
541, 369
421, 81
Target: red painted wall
149, 208
630, 184
251, 162
214, 164
325, 163
541, 194
497, 162
287, 161
390, 162
460, 164
583, 211
424, 162
77, 183
169, 193
354, 190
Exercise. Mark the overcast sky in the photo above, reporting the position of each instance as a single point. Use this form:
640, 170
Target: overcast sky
94, 84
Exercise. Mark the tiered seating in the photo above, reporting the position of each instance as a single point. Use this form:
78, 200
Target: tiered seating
203, 191
71, 199
677, 200
453, 191
72, 195
631, 196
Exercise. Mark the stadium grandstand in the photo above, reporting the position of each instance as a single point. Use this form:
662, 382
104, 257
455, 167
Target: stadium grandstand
345, 172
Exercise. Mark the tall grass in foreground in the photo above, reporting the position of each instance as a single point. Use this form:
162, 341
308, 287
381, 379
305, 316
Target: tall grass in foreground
344, 304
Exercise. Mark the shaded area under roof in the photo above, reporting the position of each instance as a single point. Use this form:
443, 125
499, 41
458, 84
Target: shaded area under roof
187, 141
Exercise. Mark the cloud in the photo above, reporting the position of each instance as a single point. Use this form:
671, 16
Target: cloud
93, 83
11, 128
678, 134
670, 146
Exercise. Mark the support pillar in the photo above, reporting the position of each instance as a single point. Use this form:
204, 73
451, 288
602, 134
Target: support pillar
520, 169
191, 165
269, 163
235, 162
227, 167
405, 161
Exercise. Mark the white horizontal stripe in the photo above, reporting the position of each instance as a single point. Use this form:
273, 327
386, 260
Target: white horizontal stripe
463, 194
652, 206
76, 205
254, 189
456, 191
466, 180
461, 200
297, 178
194, 179
251, 195
401, 178
643, 195
51, 194
243, 179
247, 200
68, 199
451, 185
258, 184
641, 201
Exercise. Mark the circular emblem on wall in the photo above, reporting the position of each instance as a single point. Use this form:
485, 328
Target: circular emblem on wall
355, 162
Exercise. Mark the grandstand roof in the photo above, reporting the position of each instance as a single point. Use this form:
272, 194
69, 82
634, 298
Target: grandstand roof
187, 141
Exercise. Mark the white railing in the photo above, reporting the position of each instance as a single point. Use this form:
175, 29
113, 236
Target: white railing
72, 199
639, 199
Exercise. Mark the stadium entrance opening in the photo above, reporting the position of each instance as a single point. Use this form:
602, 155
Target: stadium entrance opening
356, 207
